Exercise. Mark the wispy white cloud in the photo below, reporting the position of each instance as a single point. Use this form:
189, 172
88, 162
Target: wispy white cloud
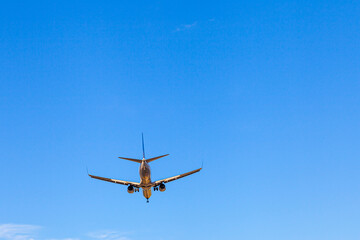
63, 239
30, 232
185, 27
18, 231
108, 235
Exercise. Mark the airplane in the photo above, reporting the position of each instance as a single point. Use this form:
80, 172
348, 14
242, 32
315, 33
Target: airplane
145, 176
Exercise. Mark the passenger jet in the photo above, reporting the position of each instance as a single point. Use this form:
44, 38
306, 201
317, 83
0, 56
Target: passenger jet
145, 176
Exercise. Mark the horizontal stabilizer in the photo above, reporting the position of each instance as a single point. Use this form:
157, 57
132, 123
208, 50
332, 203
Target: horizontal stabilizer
132, 159
155, 158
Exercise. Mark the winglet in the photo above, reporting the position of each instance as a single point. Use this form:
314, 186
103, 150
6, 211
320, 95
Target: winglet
87, 171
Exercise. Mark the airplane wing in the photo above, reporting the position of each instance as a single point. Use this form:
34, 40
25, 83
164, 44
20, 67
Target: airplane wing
170, 179
135, 184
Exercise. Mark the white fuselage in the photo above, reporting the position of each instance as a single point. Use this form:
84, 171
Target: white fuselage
145, 178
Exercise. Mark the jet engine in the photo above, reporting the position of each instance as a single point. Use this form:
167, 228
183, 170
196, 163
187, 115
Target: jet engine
130, 189
162, 187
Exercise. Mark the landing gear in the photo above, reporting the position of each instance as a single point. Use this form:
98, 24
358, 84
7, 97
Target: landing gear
147, 200
156, 189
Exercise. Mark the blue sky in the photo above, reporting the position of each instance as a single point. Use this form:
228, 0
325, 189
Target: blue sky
265, 93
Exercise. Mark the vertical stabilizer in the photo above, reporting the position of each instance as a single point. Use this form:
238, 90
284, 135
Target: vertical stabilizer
142, 137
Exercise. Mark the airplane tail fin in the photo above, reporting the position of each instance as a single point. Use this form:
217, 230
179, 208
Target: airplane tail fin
155, 158
142, 137
141, 160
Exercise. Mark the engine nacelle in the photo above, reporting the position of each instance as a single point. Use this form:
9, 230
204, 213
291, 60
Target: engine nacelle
130, 189
162, 187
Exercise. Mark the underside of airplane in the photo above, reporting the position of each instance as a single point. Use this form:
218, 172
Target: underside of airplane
145, 177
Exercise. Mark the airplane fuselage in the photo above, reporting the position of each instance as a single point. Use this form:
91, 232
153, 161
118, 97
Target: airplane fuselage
145, 178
